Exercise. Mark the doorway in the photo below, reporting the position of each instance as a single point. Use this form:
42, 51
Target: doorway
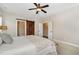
21, 28
45, 30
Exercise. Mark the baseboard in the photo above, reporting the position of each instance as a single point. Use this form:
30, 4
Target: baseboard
67, 43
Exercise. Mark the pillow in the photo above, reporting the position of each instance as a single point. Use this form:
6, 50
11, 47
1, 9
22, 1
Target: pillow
0, 41
6, 38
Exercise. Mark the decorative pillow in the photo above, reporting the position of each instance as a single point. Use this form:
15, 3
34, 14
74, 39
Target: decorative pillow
0, 41
6, 38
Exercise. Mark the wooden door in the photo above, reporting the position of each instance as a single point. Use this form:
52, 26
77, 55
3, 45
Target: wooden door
21, 28
30, 27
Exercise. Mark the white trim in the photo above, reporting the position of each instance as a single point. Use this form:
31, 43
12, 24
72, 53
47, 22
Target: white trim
67, 43
25, 26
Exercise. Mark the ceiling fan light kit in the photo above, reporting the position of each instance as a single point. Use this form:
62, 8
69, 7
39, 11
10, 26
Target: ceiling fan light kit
38, 9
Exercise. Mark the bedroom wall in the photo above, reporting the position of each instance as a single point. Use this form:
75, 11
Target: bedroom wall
10, 21
0, 12
66, 29
66, 26
37, 27
1, 15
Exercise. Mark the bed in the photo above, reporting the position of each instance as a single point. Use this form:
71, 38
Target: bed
29, 45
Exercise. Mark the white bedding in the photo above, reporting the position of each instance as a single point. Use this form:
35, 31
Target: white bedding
29, 45
21, 45
43, 45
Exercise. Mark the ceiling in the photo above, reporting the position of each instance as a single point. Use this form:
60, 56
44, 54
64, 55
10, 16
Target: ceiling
21, 9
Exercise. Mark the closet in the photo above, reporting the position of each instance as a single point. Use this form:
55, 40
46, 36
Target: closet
25, 27
30, 27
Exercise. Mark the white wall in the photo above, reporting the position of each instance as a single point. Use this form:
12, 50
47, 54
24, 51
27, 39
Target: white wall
10, 21
66, 26
0, 12
37, 27
1, 15
66, 29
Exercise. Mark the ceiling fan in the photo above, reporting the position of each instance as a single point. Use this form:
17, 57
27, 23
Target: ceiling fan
39, 8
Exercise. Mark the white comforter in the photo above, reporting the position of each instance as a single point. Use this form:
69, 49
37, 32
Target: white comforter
29, 45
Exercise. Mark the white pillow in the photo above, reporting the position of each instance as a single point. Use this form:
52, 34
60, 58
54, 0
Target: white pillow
0, 41
6, 38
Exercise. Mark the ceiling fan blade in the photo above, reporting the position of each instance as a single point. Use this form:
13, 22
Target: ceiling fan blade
32, 8
36, 12
44, 6
44, 11
35, 4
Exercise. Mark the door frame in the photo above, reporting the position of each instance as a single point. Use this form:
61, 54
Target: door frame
17, 27
50, 29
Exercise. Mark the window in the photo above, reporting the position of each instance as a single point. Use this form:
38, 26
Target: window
0, 20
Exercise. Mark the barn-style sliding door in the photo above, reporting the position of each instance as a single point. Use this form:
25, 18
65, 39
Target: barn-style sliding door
25, 27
